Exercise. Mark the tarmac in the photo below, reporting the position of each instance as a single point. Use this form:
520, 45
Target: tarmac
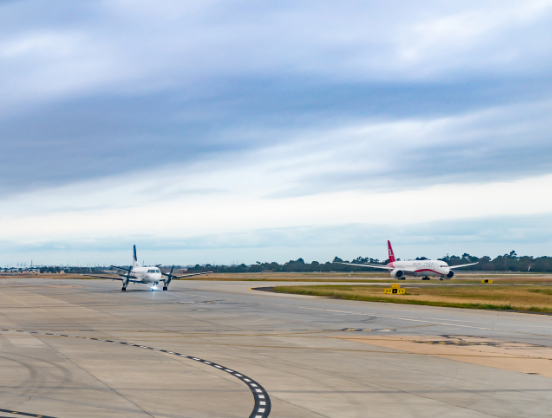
83, 348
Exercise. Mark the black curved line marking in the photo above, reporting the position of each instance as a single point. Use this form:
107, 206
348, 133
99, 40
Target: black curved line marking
24, 414
262, 406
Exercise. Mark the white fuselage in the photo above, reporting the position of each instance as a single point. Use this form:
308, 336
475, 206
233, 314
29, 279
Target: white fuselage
421, 267
147, 275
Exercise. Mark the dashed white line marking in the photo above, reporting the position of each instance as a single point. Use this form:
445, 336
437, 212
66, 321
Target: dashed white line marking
257, 393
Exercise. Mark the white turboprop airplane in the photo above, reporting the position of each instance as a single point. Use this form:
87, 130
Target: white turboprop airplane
150, 276
425, 268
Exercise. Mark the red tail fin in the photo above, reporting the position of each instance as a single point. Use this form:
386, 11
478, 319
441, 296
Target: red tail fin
390, 251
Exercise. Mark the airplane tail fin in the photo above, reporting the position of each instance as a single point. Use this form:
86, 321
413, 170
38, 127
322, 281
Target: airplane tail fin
390, 251
134, 258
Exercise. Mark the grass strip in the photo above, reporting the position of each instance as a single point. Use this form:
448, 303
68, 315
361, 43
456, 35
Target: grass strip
351, 293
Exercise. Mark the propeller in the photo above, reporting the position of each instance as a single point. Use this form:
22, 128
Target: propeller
127, 275
169, 276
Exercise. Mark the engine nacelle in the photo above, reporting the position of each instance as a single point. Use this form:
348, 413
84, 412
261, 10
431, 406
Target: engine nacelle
450, 274
397, 274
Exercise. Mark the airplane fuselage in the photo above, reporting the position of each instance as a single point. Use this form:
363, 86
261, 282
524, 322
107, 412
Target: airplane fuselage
147, 275
421, 268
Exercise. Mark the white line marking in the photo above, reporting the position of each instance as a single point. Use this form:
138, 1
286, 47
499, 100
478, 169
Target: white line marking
402, 319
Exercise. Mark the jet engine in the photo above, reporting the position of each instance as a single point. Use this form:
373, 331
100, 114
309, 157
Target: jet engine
398, 274
450, 274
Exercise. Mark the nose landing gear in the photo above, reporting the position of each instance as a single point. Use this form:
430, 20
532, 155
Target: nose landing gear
123, 289
164, 288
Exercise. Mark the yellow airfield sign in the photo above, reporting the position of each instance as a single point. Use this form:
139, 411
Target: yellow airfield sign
486, 281
395, 286
394, 291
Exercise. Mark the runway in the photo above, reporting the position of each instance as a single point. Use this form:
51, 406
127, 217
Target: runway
308, 357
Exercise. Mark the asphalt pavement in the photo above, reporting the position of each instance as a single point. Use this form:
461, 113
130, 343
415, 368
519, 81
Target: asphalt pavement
83, 348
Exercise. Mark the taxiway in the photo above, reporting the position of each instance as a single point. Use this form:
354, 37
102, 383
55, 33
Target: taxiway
82, 348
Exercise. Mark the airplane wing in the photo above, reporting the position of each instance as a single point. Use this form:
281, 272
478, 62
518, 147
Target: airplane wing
112, 278
103, 277
189, 275
377, 266
462, 265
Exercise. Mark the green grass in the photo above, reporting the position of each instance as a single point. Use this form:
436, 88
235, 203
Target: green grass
542, 291
497, 298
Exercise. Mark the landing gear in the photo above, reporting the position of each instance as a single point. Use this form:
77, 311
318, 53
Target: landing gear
441, 278
123, 289
164, 288
425, 278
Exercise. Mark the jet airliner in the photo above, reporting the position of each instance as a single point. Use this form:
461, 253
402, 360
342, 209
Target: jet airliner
150, 276
425, 268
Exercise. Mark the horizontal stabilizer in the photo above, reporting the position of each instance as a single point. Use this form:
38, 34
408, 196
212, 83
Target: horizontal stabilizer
122, 268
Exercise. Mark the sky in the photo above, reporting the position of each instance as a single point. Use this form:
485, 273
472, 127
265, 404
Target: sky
239, 131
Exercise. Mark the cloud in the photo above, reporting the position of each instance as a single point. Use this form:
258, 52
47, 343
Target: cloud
124, 86
286, 114
489, 236
107, 136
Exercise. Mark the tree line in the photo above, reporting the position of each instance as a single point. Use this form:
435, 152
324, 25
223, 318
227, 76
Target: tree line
507, 262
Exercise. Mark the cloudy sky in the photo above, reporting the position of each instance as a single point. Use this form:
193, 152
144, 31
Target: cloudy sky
221, 131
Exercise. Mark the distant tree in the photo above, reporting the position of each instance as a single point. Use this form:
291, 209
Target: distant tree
506, 262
